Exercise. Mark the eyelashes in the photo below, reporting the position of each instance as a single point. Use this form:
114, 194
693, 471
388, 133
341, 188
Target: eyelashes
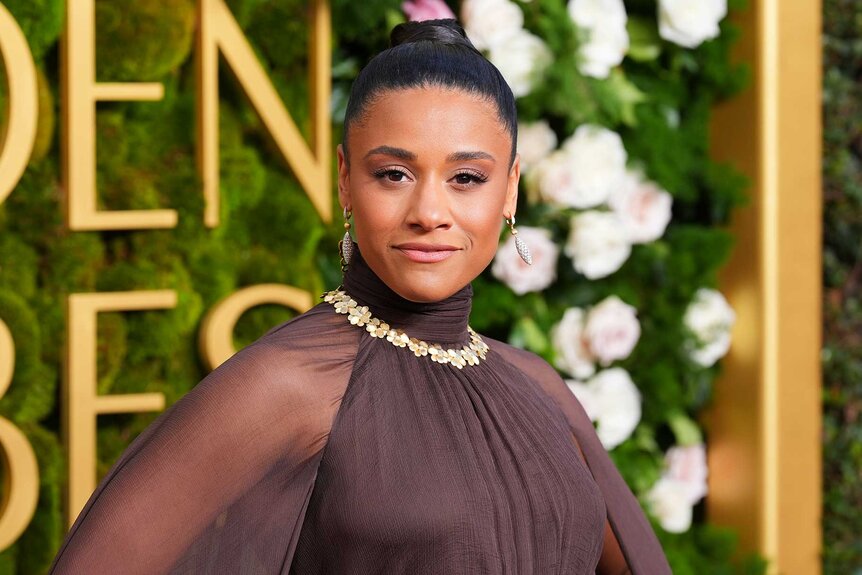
464, 177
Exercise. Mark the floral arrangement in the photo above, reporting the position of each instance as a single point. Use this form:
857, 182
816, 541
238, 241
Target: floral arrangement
608, 206
608, 93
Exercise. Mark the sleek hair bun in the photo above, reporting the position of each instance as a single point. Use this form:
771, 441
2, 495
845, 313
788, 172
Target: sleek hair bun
444, 31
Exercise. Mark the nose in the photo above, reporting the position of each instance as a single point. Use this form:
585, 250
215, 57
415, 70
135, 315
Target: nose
430, 207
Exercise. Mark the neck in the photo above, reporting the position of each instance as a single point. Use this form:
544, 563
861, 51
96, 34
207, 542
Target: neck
443, 322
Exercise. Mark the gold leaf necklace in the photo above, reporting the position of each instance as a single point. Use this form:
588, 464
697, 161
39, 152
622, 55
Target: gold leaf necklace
360, 316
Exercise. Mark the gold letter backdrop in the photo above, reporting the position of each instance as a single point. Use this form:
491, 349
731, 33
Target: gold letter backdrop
166, 197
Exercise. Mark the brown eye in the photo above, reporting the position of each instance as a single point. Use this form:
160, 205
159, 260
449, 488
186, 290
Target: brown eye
391, 175
468, 178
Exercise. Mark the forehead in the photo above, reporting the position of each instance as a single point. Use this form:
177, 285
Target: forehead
432, 119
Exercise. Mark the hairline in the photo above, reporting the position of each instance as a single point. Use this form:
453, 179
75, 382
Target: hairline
375, 94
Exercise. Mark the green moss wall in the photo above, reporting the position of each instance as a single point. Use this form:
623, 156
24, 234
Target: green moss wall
269, 230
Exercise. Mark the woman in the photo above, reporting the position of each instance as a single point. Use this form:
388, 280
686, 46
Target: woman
352, 439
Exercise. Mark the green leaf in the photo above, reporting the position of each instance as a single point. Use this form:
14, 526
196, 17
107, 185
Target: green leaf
644, 41
627, 95
684, 429
527, 334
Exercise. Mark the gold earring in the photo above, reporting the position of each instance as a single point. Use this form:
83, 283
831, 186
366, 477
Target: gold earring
345, 246
520, 244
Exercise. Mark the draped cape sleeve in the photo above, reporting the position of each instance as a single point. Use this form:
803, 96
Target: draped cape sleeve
220, 482
637, 540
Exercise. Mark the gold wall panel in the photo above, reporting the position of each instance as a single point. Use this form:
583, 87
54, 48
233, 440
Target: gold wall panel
764, 428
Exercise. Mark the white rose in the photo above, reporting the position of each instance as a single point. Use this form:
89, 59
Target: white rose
607, 39
687, 466
669, 504
597, 243
535, 141
690, 22
489, 22
612, 330
582, 174
585, 396
521, 59
513, 271
644, 208
611, 399
709, 317
572, 354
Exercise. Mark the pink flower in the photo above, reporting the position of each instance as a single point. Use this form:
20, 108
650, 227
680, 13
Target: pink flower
510, 269
644, 207
418, 10
687, 466
612, 329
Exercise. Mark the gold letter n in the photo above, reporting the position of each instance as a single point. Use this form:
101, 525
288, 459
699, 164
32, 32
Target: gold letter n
220, 31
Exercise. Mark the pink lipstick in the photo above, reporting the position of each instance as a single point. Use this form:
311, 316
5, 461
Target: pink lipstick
426, 253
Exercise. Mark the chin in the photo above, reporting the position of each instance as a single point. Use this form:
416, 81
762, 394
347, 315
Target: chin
423, 287
424, 293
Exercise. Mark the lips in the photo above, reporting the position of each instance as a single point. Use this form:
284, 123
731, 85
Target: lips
426, 253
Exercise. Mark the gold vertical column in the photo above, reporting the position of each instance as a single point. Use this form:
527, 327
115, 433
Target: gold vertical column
765, 454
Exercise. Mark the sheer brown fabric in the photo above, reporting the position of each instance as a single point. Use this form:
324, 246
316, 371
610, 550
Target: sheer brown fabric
320, 449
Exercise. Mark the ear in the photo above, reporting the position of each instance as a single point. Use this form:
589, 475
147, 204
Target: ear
343, 180
511, 202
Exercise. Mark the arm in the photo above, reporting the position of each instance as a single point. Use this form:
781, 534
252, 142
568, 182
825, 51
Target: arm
612, 561
223, 476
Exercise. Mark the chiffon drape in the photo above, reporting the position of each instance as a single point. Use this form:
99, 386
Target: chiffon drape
320, 449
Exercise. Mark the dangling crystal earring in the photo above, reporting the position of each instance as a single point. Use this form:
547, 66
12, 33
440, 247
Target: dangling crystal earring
345, 246
520, 244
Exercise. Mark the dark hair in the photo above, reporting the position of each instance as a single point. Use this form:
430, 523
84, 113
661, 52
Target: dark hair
432, 53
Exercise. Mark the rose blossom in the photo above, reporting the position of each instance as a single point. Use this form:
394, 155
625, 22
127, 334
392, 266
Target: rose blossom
644, 208
597, 243
612, 400
670, 505
535, 141
680, 487
709, 317
513, 271
687, 466
419, 10
521, 59
572, 354
612, 330
607, 39
584, 172
490, 22
690, 22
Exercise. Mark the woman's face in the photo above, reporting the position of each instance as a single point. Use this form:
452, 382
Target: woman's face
429, 185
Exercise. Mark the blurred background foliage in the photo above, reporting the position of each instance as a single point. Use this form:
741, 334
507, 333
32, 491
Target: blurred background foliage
270, 232
842, 287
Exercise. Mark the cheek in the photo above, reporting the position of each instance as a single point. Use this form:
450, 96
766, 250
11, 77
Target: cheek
483, 225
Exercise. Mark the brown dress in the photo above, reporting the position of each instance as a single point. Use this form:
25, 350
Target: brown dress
321, 449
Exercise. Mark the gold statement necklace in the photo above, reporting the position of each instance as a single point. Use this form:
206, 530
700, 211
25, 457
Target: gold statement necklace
361, 316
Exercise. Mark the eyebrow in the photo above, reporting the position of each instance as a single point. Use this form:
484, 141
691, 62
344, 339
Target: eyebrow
403, 154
